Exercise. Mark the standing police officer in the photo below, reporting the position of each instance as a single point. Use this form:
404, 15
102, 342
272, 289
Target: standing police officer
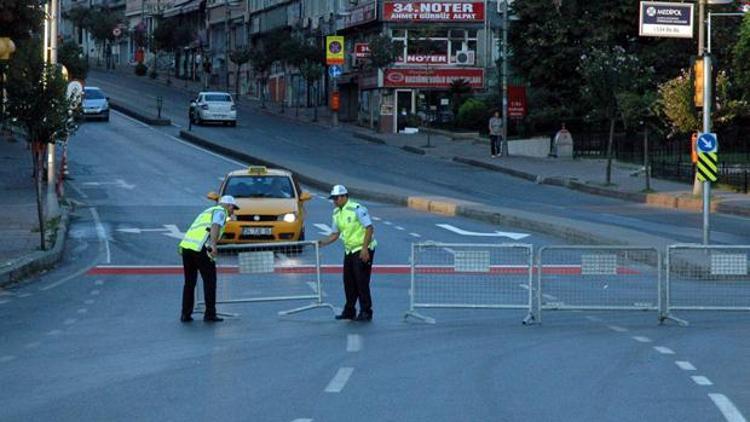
352, 223
198, 250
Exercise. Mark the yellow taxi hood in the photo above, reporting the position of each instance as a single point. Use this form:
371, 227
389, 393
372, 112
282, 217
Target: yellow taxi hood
267, 206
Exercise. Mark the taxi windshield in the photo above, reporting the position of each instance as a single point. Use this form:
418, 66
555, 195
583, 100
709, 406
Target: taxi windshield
259, 187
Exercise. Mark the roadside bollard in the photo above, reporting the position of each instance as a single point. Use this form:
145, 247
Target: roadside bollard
159, 102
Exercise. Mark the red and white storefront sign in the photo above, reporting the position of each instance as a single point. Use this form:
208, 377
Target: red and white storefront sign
433, 11
361, 50
398, 77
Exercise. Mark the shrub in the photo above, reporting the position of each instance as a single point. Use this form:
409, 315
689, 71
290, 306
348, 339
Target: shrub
473, 114
141, 69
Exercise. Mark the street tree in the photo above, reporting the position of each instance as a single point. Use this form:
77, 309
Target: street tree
70, 55
607, 72
312, 70
80, 17
239, 57
37, 101
262, 60
168, 37
101, 23
383, 53
741, 59
20, 18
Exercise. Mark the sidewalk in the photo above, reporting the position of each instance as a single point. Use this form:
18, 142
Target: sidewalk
586, 175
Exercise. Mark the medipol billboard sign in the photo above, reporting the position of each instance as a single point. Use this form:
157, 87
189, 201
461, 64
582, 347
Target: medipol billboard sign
661, 19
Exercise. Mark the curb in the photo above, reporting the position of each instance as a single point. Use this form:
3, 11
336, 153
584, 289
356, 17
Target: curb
139, 116
39, 260
562, 228
369, 138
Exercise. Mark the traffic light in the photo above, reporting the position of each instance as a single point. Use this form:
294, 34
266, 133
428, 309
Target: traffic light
698, 82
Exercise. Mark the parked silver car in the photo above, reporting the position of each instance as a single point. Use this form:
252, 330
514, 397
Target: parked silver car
95, 104
213, 107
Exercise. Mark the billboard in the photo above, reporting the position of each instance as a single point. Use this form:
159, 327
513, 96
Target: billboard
334, 50
399, 77
662, 19
433, 11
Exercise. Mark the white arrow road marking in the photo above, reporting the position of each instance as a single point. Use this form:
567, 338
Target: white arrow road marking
118, 182
496, 233
169, 230
325, 230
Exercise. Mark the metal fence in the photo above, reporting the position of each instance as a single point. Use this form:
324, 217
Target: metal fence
597, 278
707, 278
471, 276
271, 272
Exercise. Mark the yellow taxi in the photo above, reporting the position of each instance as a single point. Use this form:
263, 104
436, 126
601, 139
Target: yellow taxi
271, 206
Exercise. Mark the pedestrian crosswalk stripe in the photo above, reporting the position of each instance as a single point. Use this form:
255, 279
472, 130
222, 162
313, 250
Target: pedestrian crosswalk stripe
707, 166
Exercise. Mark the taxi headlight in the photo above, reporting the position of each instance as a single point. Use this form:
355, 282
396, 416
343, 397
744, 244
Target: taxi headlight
289, 217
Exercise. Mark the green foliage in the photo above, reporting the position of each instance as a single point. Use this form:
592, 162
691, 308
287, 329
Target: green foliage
240, 56
607, 72
100, 23
473, 114
458, 89
36, 96
140, 69
727, 107
675, 104
71, 56
20, 18
741, 60
169, 35
382, 52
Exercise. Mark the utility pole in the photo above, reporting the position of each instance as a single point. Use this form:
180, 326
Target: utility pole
706, 114
504, 144
226, 44
50, 56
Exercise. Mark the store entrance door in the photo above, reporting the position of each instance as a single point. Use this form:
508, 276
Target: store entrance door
404, 108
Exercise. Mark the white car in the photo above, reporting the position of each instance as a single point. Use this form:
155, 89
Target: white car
95, 104
213, 107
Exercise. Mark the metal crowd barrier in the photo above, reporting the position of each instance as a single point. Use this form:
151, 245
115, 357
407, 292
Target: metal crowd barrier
707, 278
270, 272
470, 276
598, 278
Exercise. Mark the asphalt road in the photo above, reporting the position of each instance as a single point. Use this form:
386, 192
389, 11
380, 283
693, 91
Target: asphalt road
79, 343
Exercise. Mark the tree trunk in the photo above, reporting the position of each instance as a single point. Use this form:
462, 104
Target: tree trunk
38, 154
609, 150
237, 84
646, 163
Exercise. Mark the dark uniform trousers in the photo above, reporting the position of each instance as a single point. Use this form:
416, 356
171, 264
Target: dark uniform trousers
192, 263
357, 283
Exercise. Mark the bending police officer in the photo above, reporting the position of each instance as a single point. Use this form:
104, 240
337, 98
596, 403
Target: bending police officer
353, 225
198, 250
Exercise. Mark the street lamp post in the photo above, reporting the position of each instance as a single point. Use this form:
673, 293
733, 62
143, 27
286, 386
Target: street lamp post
50, 56
504, 142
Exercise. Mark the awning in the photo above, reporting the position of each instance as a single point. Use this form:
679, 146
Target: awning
182, 7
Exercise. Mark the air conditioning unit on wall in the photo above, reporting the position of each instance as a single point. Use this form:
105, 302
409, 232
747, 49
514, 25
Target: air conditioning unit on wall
465, 57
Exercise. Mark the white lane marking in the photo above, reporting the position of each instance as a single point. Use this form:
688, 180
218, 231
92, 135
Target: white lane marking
496, 233
32, 345
3, 302
7, 358
642, 339
398, 228
54, 332
593, 318
89, 301
70, 277
353, 343
99, 282
25, 295
547, 296
685, 365
302, 420
70, 321
339, 380
229, 160
387, 223
727, 408
701, 380
82, 310
524, 286
324, 229
102, 234
78, 191
664, 350
94, 292
175, 125
415, 235
617, 328
375, 218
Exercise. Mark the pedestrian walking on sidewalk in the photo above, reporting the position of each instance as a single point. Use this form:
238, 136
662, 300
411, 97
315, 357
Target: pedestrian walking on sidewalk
496, 134
352, 223
198, 250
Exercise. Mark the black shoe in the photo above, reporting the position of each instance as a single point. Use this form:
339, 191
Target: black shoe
344, 316
213, 318
364, 316
186, 318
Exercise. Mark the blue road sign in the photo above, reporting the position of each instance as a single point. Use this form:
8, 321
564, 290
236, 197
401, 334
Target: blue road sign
335, 71
707, 142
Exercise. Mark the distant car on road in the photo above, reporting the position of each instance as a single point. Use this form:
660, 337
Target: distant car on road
95, 104
271, 206
213, 107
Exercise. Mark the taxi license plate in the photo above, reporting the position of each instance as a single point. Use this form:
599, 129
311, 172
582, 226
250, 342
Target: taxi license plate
249, 231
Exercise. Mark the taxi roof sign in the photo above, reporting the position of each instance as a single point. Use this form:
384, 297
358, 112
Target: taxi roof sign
257, 170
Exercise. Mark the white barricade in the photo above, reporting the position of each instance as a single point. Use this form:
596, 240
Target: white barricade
471, 276
598, 278
270, 272
707, 278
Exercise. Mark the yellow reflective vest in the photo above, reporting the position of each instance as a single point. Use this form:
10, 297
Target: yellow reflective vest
352, 232
199, 231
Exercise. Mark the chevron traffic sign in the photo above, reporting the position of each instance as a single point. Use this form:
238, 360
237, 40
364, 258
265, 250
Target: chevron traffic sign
708, 166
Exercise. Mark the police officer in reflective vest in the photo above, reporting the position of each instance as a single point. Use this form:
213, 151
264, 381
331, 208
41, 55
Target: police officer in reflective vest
353, 225
198, 250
